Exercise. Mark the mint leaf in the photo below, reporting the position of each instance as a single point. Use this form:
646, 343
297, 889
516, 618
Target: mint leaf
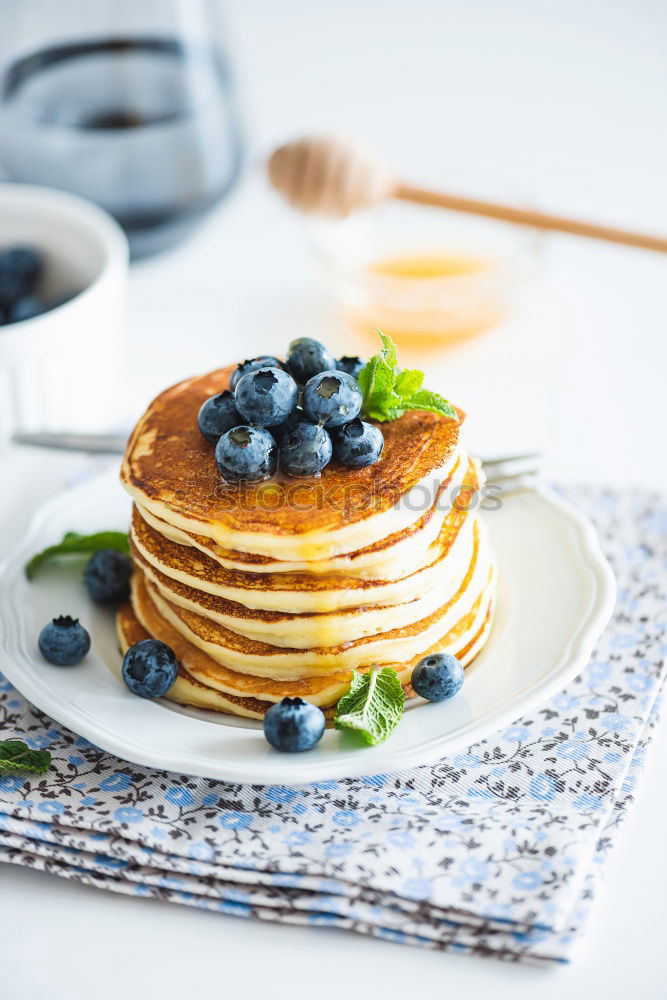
388, 351
409, 382
15, 755
432, 402
373, 706
388, 392
73, 543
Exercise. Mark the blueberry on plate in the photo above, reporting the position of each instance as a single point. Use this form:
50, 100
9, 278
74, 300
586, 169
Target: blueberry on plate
352, 366
357, 444
246, 454
25, 308
107, 576
64, 641
150, 668
332, 398
293, 725
305, 449
252, 365
307, 357
218, 414
437, 677
266, 396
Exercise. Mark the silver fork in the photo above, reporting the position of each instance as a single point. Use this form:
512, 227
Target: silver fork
510, 473
513, 473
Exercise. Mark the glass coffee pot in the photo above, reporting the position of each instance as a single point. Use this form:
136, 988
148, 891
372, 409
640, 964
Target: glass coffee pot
129, 103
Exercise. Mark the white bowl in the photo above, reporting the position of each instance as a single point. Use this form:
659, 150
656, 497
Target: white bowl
58, 371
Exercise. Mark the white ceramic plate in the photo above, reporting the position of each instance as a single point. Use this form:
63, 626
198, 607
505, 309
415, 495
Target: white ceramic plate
556, 595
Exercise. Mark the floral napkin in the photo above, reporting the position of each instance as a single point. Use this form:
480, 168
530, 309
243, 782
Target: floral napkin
497, 850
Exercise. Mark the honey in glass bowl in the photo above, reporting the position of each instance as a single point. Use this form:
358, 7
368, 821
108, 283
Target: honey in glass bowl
425, 276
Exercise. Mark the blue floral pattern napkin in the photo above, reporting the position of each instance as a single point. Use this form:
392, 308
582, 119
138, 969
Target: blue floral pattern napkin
496, 850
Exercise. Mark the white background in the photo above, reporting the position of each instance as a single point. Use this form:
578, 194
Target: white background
567, 99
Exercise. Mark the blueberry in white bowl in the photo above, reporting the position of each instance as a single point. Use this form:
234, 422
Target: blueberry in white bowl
305, 449
332, 398
307, 357
25, 308
266, 397
107, 576
246, 454
357, 444
253, 365
150, 668
64, 641
294, 725
438, 677
218, 414
21, 267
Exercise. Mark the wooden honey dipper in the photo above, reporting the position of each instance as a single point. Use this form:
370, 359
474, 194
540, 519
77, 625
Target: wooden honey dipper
333, 176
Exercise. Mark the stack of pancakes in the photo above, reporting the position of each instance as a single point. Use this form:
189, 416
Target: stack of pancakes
284, 588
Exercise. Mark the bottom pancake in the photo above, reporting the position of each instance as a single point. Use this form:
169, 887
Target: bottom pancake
186, 690
201, 667
466, 640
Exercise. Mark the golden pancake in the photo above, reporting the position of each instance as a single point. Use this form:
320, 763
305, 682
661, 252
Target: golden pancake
397, 645
400, 552
318, 690
170, 469
186, 690
303, 631
296, 592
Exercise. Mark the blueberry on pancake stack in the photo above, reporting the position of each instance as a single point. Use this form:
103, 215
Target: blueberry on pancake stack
296, 521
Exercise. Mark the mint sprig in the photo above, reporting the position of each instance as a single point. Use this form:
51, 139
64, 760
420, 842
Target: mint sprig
373, 706
389, 392
15, 755
73, 543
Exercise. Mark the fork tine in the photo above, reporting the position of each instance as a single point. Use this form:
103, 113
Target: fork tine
529, 456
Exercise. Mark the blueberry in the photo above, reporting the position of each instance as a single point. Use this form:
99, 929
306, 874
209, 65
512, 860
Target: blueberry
350, 365
305, 449
246, 453
252, 365
437, 677
218, 414
64, 641
307, 357
107, 576
150, 668
357, 444
25, 308
295, 417
12, 288
293, 725
332, 398
266, 396
20, 270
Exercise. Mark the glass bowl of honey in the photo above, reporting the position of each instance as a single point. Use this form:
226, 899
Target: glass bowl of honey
426, 276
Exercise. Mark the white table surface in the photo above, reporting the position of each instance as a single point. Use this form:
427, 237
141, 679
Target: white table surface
567, 99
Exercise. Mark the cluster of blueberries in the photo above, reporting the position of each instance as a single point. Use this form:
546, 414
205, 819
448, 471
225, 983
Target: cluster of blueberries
297, 415
21, 269
149, 667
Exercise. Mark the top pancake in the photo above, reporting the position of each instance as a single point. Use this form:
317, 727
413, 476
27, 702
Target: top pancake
170, 468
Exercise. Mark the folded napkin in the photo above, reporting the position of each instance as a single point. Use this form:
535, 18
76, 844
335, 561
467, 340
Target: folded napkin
496, 850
